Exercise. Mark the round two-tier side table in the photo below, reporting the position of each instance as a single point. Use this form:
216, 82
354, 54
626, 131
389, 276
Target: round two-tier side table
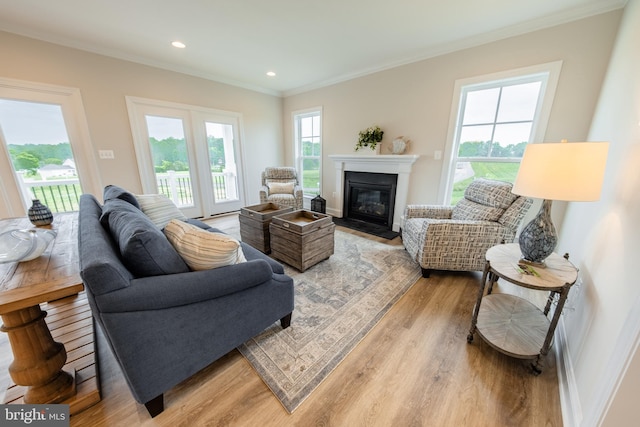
511, 324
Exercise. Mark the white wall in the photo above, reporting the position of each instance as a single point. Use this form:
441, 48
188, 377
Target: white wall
104, 82
603, 239
415, 100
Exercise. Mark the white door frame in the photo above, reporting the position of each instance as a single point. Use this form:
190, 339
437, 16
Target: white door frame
193, 118
77, 128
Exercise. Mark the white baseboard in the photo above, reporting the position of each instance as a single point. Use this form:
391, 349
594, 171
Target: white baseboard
569, 396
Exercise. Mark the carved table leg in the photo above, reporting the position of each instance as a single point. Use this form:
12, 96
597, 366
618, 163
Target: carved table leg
38, 359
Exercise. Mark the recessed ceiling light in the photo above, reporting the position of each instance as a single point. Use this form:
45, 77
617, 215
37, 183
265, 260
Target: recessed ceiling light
271, 74
178, 44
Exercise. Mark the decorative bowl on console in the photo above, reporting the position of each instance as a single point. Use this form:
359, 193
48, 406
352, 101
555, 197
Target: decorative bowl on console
24, 245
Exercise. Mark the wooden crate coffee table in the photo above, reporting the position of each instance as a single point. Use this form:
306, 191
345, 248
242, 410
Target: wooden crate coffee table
254, 224
302, 238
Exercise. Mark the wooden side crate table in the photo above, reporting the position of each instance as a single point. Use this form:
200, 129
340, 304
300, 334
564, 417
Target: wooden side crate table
47, 370
254, 224
513, 325
302, 238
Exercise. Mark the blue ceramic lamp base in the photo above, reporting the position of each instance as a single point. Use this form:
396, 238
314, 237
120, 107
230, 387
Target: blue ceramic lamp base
538, 238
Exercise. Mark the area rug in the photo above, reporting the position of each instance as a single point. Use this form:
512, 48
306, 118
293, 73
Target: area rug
337, 302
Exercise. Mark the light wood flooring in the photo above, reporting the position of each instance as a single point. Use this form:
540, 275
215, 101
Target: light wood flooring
415, 368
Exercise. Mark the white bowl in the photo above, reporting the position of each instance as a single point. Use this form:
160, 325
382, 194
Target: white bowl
24, 245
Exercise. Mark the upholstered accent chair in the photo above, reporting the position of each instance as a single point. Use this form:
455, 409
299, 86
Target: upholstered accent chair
280, 186
456, 238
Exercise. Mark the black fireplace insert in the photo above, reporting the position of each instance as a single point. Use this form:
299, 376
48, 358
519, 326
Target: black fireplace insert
370, 197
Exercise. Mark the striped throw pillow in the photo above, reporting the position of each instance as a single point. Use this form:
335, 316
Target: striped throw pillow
202, 249
159, 208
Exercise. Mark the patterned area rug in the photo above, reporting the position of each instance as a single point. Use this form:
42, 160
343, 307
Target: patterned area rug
337, 302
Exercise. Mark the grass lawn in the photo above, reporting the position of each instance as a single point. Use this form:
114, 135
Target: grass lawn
311, 179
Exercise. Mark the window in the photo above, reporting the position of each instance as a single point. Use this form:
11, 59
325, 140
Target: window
45, 150
308, 148
497, 116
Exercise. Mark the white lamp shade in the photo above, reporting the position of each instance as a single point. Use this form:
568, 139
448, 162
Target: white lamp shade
571, 171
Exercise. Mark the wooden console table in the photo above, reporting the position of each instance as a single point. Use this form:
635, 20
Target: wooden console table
39, 364
513, 325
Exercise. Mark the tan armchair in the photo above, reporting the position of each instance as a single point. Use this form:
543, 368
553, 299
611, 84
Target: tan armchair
457, 237
280, 186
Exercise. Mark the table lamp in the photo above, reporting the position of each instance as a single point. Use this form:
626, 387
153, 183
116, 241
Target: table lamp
569, 171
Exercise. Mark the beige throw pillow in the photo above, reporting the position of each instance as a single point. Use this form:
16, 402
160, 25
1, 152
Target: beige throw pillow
202, 249
280, 187
159, 208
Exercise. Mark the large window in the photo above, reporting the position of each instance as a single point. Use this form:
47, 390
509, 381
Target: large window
496, 118
308, 148
45, 149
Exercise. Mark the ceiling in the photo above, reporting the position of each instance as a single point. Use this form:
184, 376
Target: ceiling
308, 44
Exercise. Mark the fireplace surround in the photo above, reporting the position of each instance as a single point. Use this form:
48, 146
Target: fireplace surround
399, 165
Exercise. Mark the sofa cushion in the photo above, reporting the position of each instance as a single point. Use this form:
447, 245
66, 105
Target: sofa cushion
202, 249
468, 210
280, 187
496, 194
159, 208
115, 192
117, 204
144, 249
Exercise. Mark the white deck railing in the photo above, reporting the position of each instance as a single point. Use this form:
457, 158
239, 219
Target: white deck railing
62, 195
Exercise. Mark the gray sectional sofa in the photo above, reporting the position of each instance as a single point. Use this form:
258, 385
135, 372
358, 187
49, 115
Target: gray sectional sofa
163, 321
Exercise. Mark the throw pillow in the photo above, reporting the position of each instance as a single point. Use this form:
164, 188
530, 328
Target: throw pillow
202, 249
115, 192
492, 193
472, 211
280, 187
159, 208
144, 249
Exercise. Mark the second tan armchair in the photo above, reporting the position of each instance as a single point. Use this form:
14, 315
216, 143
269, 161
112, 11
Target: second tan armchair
280, 186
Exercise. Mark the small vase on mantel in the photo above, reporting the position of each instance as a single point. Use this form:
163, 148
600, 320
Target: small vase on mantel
40, 214
399, 145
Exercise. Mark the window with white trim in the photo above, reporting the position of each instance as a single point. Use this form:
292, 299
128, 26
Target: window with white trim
496, 118
45, 148
307, 131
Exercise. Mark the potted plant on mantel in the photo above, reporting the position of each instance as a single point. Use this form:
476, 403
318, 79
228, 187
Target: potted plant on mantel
370, 138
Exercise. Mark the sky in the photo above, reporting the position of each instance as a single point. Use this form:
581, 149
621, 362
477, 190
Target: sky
29, 122
24, 122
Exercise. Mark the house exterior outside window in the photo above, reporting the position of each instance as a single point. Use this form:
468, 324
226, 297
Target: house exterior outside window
307, 133
494, 119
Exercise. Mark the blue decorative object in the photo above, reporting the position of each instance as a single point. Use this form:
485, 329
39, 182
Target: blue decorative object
538, 238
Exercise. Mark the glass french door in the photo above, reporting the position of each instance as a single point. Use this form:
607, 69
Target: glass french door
189, 154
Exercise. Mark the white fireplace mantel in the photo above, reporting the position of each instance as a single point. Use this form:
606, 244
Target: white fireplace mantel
384, 163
